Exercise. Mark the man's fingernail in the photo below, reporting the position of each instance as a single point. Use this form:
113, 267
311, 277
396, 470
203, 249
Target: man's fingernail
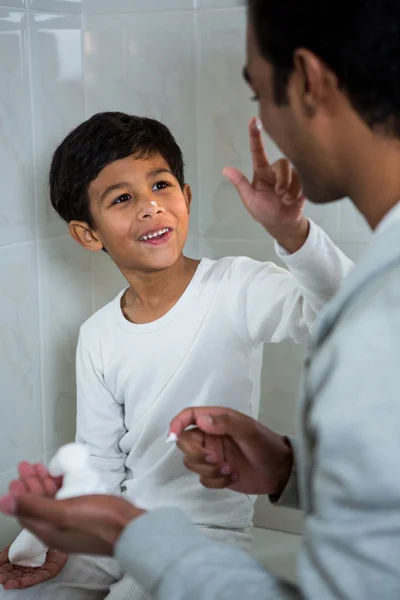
211, 459
8, 505
259, 125
206, 421
226, 470
172, 438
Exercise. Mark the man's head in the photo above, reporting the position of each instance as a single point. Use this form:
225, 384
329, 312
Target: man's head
326, 76
118, 180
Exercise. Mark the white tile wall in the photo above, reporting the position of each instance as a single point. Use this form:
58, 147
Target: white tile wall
282, 368
192, 248
58, 98
66, 302
327, 217
132, 6
9, 528
224, 111
14, 3
179, 61
68, 6
44, 290
145, 65
353, 227
17, 210
220, 3
21, 413
107, 280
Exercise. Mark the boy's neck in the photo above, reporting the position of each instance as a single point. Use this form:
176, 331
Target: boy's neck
152, 295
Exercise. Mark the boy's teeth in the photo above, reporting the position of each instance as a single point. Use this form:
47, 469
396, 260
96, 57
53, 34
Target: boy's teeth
156, 234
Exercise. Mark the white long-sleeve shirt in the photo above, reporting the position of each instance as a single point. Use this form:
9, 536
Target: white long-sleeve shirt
207, 350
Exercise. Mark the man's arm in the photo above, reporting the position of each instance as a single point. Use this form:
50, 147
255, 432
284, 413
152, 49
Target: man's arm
289, 497
100, 422
169, 558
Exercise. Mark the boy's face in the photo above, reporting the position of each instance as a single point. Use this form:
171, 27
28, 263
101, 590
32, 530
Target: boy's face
140, 212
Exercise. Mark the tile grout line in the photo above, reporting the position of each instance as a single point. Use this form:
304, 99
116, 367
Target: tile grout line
35, 188
197, 121
163, 11
86, 116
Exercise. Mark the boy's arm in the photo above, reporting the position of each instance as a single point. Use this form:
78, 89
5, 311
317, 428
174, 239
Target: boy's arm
270, 304
100, 422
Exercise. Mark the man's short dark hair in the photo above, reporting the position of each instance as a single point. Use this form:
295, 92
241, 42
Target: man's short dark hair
99, 141
358, 39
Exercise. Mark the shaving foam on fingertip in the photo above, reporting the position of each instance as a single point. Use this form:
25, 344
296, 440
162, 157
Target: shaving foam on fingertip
172, 438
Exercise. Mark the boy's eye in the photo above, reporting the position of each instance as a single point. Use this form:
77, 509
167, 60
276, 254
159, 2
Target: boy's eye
160, 185
121, 199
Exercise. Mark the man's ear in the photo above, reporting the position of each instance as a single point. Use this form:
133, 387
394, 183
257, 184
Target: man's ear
315, 84
187, 192
82, 233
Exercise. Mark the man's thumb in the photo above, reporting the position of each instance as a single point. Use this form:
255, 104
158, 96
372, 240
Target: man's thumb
233, 424
239, 180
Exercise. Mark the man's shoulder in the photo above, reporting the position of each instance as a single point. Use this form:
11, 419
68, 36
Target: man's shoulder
379, 298
372, 317
363, 330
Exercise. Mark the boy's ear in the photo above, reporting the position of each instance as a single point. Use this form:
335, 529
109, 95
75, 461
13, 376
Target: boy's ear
187, 192
82, 233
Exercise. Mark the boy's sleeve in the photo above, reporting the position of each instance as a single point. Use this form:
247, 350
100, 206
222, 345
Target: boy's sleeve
271, 304
100, 422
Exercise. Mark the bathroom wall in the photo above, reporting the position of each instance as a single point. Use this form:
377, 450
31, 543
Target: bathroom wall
176, 60
44, 291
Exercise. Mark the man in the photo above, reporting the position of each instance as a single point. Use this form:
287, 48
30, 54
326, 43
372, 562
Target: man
327, 83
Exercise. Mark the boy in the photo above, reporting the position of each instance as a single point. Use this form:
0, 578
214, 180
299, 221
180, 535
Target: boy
184, 332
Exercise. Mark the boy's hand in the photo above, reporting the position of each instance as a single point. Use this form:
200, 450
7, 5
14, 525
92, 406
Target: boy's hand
274, 198
85, 525
13, 577
230, 450
33, 479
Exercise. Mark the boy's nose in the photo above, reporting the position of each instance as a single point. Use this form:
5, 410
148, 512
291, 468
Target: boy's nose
149, 209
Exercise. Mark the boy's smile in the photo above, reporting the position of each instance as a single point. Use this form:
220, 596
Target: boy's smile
156, 237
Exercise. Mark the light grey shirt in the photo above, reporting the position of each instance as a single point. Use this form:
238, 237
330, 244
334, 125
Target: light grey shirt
347, 458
